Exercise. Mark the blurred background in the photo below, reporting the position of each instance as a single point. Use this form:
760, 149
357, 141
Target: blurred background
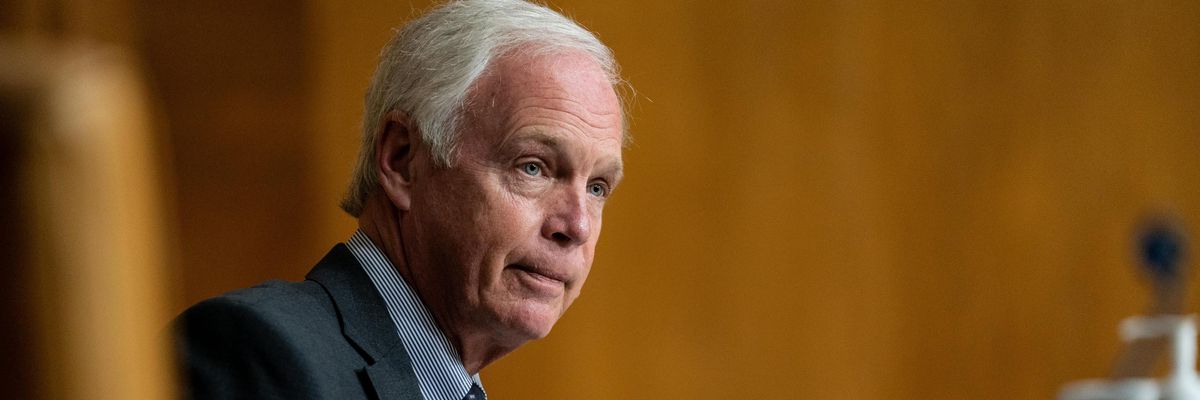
832, 200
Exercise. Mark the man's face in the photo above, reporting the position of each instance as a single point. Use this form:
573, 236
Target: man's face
500, 243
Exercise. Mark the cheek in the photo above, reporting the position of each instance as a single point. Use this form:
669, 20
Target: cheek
450, 221
597, 224
502, 221
512, 221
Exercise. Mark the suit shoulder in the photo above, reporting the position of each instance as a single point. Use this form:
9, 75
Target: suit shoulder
276, 294
275, 305
275, 340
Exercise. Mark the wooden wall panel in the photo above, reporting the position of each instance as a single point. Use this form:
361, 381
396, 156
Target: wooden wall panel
232, 80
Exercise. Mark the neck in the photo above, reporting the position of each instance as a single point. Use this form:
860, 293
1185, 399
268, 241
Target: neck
381, 222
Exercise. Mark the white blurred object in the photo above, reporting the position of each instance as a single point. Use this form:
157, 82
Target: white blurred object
1104, 389
1181, 383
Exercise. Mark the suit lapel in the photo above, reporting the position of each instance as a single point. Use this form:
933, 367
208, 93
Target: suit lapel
366, 324
392, 378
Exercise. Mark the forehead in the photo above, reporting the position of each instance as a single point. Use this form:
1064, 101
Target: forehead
560, 94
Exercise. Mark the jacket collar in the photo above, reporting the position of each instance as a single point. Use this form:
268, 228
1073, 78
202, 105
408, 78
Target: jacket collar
366, 323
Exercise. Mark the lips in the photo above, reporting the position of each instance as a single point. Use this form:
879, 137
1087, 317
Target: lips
541, 273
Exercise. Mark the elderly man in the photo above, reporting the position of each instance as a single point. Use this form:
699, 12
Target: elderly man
492, 138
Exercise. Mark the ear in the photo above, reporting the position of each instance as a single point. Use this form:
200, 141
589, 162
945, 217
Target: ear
394, 151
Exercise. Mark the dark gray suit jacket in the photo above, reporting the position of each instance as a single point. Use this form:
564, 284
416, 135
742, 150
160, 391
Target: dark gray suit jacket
327, 337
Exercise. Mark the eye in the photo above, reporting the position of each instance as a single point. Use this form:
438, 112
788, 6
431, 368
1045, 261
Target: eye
531, 169
598, 189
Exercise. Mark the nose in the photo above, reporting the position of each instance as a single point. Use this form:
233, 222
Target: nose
568, 221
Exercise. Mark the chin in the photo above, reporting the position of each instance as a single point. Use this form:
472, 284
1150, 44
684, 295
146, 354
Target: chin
526, 322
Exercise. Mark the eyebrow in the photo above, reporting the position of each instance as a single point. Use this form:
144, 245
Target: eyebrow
613, 169
539, 136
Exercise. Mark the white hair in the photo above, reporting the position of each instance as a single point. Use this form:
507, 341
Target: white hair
428, 67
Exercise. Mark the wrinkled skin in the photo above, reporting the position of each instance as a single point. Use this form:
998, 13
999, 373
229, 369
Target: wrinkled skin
499, 245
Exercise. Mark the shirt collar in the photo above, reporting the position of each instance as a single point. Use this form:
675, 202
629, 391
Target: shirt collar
435, 362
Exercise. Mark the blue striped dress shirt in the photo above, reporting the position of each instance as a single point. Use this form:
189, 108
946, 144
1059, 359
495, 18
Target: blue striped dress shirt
435, 362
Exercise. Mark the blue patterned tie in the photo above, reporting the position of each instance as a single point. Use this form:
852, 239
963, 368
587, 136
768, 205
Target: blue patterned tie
476, 393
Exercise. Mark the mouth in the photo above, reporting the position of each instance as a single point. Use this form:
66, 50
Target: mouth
540, 274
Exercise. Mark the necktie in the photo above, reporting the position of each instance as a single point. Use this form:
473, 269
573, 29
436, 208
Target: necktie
476, 393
